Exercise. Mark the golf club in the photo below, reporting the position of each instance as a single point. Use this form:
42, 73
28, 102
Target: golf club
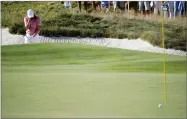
29, 38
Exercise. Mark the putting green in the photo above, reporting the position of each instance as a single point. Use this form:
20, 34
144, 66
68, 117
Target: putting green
73, 80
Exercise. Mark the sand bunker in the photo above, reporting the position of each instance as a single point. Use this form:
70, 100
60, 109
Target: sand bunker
134, 44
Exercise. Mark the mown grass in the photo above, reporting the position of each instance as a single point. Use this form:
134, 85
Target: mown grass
57, 21
109, 59
83, 81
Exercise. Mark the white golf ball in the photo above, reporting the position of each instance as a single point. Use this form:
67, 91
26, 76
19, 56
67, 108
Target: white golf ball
160, 105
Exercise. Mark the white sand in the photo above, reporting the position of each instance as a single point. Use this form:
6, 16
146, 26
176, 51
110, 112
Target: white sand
134, 44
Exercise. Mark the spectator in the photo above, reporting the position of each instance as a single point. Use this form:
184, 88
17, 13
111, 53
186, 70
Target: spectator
85, 5
68, 4
96, 5
165, 9
181, 7
106, 5
114, 5
147, 7
176, 6
185, 8
171, 9
132, 5
79, 5
121, 5
152, 6
127, 6
158, 6
141, 7
32, 25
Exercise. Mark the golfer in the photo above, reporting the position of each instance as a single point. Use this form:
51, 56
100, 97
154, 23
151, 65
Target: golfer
32, 25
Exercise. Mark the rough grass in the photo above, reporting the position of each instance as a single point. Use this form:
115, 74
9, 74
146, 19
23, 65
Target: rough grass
84, 81
57, 21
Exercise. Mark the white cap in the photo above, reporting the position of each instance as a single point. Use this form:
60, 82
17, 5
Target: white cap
30, 13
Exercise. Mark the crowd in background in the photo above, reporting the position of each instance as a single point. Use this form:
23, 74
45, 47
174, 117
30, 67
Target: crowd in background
171, 8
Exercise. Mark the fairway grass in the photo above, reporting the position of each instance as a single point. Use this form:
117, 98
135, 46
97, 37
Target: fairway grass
73, 80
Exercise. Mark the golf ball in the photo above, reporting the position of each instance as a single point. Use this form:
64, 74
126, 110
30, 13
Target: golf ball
160, 105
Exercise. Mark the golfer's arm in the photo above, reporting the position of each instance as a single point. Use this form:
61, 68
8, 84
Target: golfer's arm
27, 24
38, 27
37, 30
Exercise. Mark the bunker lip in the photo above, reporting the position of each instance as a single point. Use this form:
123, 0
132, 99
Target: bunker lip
133, 44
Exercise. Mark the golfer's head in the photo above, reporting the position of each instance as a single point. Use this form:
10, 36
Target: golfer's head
30, 14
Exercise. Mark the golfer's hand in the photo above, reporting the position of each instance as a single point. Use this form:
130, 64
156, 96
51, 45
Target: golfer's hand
28, 23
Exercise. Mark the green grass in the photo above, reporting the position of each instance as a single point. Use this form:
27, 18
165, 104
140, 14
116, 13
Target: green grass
73, 80
58, 21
